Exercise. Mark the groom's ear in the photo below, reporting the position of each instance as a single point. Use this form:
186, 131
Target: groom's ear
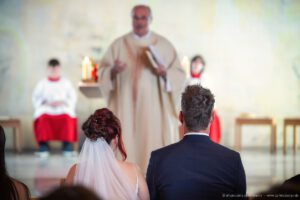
212, 117
181, 117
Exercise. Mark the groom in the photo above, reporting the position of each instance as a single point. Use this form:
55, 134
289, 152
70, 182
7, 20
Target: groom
195, 167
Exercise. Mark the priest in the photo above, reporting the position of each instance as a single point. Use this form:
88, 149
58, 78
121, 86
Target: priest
144, 96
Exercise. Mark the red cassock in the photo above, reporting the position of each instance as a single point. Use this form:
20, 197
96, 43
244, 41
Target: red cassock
215, 128
55, 127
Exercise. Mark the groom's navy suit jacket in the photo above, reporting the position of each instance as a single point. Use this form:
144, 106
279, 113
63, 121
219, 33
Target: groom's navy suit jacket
195, 168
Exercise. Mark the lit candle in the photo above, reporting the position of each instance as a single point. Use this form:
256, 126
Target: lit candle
86, 68
83, 74
90, 69
185, 63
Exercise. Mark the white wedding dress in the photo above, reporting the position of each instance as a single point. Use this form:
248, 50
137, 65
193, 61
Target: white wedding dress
99, 170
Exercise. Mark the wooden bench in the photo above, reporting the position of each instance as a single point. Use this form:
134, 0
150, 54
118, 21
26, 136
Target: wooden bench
15, 124
240, 121
294, 122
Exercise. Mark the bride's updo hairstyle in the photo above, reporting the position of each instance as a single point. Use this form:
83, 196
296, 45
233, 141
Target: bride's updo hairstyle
104, 124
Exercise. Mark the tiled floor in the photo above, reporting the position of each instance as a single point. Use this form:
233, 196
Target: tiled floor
39, 174
262, 169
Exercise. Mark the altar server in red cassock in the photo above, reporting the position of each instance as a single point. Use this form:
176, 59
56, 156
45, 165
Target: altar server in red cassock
196, 72
54, 100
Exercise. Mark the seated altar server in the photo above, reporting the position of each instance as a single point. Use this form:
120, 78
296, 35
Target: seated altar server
54, 100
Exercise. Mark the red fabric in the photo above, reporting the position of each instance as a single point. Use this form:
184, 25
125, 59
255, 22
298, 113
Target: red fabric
55, 127
215, 129
53, 79
195, 75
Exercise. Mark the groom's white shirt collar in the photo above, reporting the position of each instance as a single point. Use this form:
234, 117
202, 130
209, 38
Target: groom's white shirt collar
196, 133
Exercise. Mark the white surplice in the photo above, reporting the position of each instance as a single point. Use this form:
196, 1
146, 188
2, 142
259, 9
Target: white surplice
51, 91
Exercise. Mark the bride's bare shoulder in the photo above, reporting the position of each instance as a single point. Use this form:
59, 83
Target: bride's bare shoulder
128, 166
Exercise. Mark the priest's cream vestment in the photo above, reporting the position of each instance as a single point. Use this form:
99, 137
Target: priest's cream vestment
146, 107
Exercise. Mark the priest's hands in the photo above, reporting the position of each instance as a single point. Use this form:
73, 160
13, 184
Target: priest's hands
161, 71
118, 67
54, 103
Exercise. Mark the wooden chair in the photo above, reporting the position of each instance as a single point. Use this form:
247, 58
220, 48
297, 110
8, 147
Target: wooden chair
294, 122
241, 121
15, 124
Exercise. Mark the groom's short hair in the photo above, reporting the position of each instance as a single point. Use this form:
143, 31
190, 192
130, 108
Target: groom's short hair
197, 105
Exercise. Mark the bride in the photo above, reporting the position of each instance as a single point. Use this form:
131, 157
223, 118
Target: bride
98, 168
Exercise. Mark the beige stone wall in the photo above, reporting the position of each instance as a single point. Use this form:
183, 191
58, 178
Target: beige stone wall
251, 48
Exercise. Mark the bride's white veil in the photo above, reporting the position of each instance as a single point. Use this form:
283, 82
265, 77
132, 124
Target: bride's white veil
99, 170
